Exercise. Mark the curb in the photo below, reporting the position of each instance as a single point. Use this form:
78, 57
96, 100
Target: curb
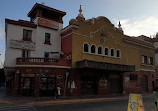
6, 102
70, 101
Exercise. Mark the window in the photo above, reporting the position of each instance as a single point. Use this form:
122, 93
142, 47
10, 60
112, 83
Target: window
99, 50
93, 48
118, 53
150, 60
47, 38
46, 55
85, 47
27, 34
106, 51
133, 77
112, 52
25, 53
144, 59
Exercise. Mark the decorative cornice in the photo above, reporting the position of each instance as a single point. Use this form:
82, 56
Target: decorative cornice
138, 43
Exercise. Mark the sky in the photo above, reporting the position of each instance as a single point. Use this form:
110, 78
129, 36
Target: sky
137, 17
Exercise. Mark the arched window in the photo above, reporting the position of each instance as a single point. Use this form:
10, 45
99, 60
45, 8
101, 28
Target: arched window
112, 52
106, 51
93, 48
118, 53
99, 50
85, 47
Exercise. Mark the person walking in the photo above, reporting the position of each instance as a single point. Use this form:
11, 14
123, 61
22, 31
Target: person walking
55, 92
58, 91
155, 93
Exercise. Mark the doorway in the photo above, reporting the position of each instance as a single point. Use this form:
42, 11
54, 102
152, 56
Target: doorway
144, 83
89, 86
47, 86
27, 86
115, 84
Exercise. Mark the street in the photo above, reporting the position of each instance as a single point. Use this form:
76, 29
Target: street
11, 107
109, 105
90, 106
113, 105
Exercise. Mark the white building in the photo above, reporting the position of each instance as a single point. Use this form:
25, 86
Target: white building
34, 42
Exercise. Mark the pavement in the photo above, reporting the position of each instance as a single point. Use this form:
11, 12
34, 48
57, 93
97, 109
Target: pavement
7, 98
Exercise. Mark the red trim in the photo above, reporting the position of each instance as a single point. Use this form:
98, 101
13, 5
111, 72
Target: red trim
42, 61
52, 19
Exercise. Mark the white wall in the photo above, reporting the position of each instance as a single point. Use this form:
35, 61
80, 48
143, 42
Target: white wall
55, 41
15, 32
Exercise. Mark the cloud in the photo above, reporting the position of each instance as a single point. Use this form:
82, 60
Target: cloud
146, 26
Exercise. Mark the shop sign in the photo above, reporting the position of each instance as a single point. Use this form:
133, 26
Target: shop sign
27, 75
103, 82
59, 76
48, 23
127, 79
17, 44
135, 103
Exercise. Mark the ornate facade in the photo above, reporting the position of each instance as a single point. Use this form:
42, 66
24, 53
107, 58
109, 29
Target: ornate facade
88, 57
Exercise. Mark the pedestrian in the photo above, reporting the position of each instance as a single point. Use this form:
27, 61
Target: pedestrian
55, 92
58, 91
155, 93
123, 92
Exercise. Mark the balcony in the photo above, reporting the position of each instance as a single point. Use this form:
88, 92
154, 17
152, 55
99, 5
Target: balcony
42, 61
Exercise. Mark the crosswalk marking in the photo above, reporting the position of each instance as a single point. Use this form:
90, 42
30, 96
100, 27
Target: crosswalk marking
12, 107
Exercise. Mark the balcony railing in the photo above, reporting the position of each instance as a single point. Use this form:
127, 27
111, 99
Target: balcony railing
42, 61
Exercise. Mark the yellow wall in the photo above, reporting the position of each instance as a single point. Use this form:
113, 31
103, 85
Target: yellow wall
90, 33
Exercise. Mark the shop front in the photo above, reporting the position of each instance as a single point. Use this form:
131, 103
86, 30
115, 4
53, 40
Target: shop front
39, 81
100, 78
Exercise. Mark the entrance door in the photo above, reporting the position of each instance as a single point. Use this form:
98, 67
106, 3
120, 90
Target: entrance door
88, 86
144, 83
47, 86
153, 85
27, 86
115, 83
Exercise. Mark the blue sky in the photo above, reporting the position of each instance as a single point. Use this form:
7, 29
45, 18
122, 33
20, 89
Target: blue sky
137, 16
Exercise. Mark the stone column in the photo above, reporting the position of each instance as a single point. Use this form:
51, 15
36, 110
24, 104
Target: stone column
16, 83
36, 86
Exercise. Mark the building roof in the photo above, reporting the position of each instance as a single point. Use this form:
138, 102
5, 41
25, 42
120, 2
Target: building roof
21, 23
36, 6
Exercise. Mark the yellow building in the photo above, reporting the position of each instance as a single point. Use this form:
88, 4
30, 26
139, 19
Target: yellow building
104, 60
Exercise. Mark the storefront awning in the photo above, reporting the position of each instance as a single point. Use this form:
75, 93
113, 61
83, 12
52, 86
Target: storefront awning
103, 65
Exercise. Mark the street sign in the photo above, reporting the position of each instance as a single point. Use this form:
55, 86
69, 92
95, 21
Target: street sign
135, 103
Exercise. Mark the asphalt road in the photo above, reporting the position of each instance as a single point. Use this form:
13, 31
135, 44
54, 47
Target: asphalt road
11, 107
113, 105
110, 105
